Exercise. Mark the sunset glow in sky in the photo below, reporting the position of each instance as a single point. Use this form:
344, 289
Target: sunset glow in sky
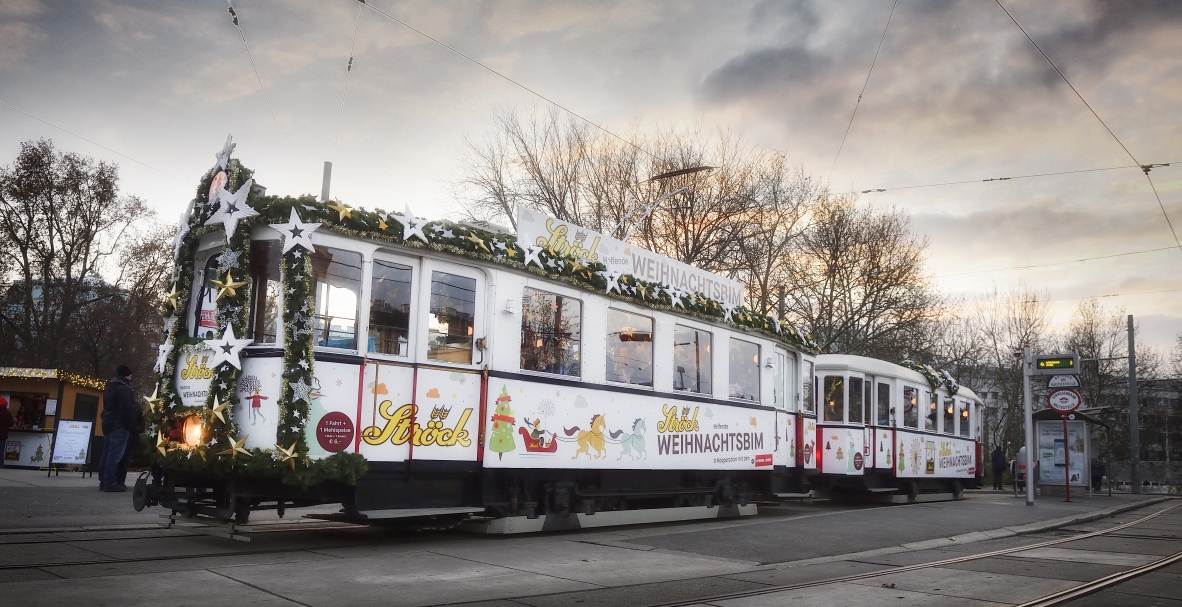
957, 94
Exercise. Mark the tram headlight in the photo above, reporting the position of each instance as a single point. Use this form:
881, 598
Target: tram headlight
193, 431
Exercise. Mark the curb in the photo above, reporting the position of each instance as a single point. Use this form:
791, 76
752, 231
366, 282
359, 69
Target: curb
975, 536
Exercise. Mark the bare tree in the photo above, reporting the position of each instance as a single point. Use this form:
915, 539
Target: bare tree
61, 217
1007, 321
857, 280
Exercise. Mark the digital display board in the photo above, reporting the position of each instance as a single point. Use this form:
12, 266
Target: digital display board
1056, 364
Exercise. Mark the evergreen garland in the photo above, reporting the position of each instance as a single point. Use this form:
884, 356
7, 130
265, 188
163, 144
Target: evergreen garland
936, 377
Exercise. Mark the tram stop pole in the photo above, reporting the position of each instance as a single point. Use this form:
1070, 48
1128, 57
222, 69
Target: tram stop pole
1134, 425
1027, 397
1067, 461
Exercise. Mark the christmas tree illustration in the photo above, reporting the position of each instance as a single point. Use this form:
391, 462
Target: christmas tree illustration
501, 437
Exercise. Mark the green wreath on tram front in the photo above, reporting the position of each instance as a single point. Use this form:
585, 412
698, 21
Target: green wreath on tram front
220, 449
936, 377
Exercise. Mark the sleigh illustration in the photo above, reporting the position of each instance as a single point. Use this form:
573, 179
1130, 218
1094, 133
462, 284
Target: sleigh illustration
534, 445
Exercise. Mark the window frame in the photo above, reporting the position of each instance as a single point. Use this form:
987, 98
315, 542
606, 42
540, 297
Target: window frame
428, 267
413, 322
362, 309
679, 323
652, 349
850, 399
915, 406
581, 340
841, 392
758, 371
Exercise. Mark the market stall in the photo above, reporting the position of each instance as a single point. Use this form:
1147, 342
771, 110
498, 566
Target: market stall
37, 399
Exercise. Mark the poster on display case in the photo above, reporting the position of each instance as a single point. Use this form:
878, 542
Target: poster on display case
1053, 451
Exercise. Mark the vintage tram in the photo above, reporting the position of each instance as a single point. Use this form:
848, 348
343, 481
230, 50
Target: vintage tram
549, 378
402, 367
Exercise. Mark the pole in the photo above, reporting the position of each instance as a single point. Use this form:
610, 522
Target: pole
326, 181
1134, 425
1027, 397
1066, 461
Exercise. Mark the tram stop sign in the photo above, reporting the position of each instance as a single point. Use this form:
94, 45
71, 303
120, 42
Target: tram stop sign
1064, 400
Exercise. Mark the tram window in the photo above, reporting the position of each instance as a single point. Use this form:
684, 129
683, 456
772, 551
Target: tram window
963, 416
744, 371
784, 383
206, 312
949, 416
692, 368
336, 291
551, 327
807, 385
389, 308
834, 395
451, 320
629, 348
884, 404
855, 400
265, 288
932, 409
910, 407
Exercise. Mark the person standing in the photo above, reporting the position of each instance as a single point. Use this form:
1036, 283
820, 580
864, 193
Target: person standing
120, 414
999, 466
6, 422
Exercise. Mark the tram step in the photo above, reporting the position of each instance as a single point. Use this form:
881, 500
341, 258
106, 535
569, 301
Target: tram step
416, 512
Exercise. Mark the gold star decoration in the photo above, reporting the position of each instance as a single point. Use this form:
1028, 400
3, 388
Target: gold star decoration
382, 224
343, 210
154, 400
236, 448
286, 454
477, 241
576, 267
228, 286
512, 252
219, 408
161, 443
172, 297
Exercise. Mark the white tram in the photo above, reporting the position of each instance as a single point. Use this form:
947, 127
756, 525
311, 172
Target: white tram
885, 427
409, 368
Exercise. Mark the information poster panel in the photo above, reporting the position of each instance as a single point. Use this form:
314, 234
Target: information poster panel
1052, 451
72, 444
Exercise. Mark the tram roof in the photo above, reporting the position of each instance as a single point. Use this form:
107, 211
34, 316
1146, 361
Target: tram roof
875, 366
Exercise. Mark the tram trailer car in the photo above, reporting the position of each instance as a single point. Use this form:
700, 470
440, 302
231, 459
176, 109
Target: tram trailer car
467, 385
888, 428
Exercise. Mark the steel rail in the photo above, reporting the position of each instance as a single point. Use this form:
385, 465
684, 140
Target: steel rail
1063, 596
904, 568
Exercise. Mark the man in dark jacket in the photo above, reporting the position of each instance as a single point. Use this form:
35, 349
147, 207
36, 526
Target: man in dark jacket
6, 422
999, 466
120, 413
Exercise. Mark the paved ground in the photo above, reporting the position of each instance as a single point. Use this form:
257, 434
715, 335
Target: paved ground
60, 543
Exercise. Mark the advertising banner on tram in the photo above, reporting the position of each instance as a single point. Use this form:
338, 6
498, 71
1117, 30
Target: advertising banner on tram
534, 228
932, 455
537, 425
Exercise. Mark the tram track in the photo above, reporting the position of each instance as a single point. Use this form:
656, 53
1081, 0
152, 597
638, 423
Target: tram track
1057, 598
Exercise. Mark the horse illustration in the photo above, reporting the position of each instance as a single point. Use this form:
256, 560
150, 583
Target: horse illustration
590, 439
632, 442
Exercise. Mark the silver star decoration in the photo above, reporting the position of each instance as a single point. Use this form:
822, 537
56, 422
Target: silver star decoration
304, 363
613, 280
232, 208
300, 390
447, 234
532, 253
182, 229
296, 232
499, 245
555, 264
676, 294
728, 311
169, 321
438, 229
228, 259
224, 155
226, 349
411, 225
162, 356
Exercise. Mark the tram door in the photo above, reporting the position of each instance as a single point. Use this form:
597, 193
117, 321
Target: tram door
785, 395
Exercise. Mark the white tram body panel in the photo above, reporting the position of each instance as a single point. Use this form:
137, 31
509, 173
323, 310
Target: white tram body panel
898, 427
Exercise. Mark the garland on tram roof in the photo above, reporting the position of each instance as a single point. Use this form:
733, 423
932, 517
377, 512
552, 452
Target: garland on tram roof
936, 377
221, 204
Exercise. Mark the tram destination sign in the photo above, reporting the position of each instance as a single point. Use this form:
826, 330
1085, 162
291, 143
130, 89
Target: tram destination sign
1056, 364
555, 234
1064, 400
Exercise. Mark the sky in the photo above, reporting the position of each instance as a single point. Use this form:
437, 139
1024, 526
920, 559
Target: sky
957, 93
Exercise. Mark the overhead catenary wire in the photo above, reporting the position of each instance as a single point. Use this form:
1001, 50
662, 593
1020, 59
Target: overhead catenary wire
864, 85
506, 78
991, 179
1058, 263
270, 106
1144, 167
93, 142
348, 72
